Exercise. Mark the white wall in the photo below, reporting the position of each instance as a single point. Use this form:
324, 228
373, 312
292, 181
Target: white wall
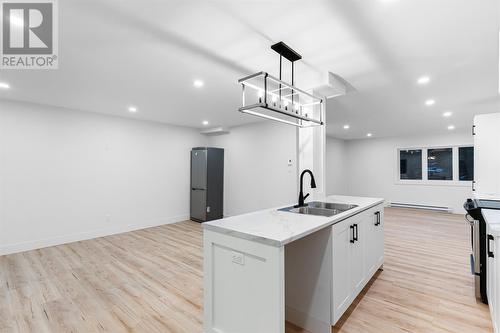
257, 174
335, 166
371, 168
68, 175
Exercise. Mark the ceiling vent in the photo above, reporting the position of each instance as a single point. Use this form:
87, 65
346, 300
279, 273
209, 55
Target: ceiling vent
268, 97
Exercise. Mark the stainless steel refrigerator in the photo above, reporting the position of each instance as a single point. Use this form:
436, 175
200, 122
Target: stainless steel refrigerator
207, 183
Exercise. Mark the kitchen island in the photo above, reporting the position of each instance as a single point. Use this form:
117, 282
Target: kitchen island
264, 267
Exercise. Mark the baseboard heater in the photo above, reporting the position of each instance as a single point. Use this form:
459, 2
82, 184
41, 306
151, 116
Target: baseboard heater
415, 206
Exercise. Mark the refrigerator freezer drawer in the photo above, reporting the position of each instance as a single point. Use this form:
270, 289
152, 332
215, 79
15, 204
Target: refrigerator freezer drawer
198, 205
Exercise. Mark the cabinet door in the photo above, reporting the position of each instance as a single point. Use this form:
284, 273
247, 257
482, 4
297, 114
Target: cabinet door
358, 260
342, 290
491, 277
378, 246
495, 285
372, 240
487, 154
489, 269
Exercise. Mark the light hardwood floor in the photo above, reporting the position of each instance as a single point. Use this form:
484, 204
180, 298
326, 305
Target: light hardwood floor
151, 281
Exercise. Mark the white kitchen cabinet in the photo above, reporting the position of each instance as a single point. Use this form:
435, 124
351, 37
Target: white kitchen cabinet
269, 266
358, 252
487, 154
375, 241
493, 276
342, 263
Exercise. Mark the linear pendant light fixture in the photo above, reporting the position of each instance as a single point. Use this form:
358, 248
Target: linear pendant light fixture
271, 98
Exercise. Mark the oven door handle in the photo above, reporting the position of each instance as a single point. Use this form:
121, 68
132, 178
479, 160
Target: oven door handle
472, 265
476, 250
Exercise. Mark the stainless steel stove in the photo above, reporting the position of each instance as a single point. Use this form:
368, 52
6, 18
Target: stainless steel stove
478, 256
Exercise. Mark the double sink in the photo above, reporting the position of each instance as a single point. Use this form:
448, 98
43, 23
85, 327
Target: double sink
319, 208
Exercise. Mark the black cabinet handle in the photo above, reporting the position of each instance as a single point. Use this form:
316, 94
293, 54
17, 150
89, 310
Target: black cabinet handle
356, 228
352, 234
377, 222
473, 185
490, 253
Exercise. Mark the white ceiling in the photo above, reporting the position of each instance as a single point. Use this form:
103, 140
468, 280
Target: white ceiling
116, 53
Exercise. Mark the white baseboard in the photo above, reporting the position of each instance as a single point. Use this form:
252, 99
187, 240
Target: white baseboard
70, 238
419, 206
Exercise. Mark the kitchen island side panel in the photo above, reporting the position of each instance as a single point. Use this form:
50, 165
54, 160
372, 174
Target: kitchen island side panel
308, 286
243, 285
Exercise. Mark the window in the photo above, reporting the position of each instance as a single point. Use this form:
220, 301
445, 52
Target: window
466, 163
410, 164
452, 165
440, 164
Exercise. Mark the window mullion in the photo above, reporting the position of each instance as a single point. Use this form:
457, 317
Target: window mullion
424, 164
455, 163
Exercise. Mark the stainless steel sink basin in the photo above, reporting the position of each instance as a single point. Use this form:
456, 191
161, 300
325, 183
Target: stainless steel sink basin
319, 208
331, 205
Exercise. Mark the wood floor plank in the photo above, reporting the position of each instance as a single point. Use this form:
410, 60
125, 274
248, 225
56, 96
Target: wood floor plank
151, 281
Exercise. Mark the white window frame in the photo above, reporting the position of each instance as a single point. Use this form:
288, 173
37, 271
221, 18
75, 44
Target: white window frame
425, 181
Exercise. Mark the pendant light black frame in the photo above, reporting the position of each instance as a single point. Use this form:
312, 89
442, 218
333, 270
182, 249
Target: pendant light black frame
288, 53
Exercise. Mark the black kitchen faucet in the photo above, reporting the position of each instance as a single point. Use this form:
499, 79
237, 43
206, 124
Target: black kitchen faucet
301, 193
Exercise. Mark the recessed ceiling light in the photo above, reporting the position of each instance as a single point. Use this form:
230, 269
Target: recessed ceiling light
346, 126
4, 85
451, 127
430, 102
447, 114
423, 80
205, 122
198, 83
132, 109
369, 135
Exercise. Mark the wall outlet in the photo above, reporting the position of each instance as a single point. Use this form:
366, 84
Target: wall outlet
289, 162
238, 258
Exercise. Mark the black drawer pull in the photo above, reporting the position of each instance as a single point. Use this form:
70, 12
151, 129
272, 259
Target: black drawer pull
352, 234
490, 253
377, 222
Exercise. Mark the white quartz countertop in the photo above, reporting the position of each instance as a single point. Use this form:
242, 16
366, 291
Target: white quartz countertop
492, 217
489, 196
278, 228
